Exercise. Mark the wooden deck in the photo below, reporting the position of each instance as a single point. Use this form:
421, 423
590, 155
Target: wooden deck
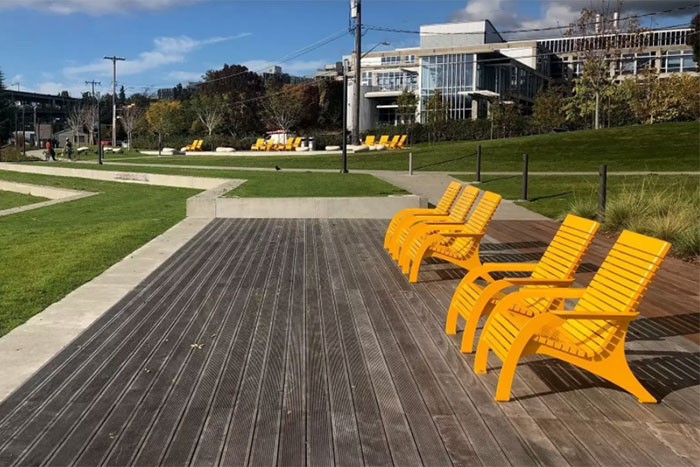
299, 342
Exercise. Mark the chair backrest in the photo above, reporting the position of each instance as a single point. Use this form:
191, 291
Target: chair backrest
402, 141
464, 203
383, 139
618, 286
199, 144
297, 142
394, 141
478, 222
448, 197
563, 256
260, 142
369, 141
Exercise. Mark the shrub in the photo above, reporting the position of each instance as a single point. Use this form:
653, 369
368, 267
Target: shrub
12, 154
583, 207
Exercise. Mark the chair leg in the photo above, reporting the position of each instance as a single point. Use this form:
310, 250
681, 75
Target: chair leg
618, 372
519, 349
469, 332
451, 321
481, 358
421, 254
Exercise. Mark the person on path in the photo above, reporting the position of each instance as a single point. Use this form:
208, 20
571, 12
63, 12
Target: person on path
69, 149
49, 149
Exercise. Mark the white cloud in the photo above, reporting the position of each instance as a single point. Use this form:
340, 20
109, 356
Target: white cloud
166, 51
95, 7
185, 75
292, 67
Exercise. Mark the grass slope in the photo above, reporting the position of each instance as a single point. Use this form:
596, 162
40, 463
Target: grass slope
10, 199
662, 147
47, 253
268, 184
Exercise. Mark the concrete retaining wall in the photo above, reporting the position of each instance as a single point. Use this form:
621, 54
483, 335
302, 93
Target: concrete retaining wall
179, 181
309, 208
38, 190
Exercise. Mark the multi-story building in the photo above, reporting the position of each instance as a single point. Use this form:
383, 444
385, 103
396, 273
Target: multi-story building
472, 66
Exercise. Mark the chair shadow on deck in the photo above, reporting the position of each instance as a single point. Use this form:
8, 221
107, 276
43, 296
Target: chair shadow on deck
662, 372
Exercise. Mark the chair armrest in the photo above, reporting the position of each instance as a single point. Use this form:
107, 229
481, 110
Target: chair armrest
583, 314
439, 223
463, 233
514, 267
530, 281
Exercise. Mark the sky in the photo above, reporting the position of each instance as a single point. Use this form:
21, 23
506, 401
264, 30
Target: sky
53, 45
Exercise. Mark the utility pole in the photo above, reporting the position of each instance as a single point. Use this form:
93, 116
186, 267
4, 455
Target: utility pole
357, 11
24, 134
114, 96
344, 168
93, 83
15, 84
36, 130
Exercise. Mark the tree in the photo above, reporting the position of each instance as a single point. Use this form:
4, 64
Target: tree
131, 118
330, 99
211, 111
89, 117
436, 114
122, 97
694, 37
648, 97
546, 111
407, 103
282, 109
5, 112
687, 89
165, 118
75, 121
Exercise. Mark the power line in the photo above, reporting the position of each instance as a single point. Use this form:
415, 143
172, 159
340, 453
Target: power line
514, 31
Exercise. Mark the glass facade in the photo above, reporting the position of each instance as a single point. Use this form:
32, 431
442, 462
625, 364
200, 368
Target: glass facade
678, 61
450, 74
397, 81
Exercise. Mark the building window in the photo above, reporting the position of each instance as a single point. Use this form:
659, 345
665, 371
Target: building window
410, 59
366, 78
393, 60
451, 74
397, 81
678, 61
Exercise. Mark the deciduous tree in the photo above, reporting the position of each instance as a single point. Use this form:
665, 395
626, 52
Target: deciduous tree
547, 110
282, 109
211, 111
131, 118
165, 118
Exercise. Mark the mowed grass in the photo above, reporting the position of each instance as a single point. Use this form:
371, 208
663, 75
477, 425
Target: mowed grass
269, 184
10, 199
662, 147
553, 195
48, 252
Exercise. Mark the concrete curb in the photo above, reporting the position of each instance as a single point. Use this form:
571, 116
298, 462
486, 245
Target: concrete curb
302, 208
55, 195
27, 348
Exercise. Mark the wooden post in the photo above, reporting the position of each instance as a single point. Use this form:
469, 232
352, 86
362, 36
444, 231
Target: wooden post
602, 192
478, 163
410, 163
526, 163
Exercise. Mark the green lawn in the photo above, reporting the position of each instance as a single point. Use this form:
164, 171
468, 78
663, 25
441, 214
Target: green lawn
48, 252
10, 199
268, 184
662, 147
552, 196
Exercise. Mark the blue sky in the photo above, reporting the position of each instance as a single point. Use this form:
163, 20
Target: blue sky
51, 45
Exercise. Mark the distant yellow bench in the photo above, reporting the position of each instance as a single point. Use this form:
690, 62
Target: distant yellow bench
195, 144
369, 140
592, 335
556, 268
259, 145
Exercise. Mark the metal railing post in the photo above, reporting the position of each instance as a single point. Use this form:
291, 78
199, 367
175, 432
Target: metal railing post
526, 164
478, 163
410, 163
602, 192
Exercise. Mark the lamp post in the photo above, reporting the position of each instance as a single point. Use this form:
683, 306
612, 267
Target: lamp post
357, 12
344, 142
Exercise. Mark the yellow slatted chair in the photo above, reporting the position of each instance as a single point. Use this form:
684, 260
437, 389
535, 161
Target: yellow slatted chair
270, 145
407, 229
198, 145
190, 147
592, 335
457, 244
383, 141
394, 141
442, 209
400, 143
369, 140
259, 145
296, 143
556, 268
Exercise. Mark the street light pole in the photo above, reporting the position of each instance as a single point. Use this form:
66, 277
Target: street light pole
114, 96
24, 134
358, 73
344, 142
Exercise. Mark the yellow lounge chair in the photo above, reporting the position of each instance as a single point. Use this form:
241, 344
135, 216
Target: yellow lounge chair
592, 335
198, 145
369, 140
190, 147
406, 229
457, 244
383, 141
556, 267
296, 143
399, 144
442, 209
270, 145
259, 145
394, 141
